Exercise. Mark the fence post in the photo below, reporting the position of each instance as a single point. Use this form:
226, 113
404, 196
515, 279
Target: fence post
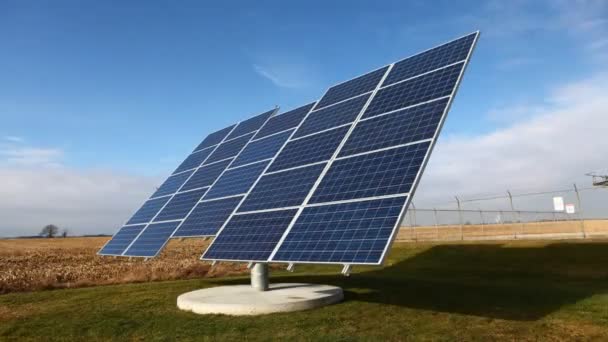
414, 219
483, 224
517, 215
580, 211
436, 222
460, 217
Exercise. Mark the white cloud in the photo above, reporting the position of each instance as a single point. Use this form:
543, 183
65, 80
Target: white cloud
563, 138
285, 76
13, 139
516, 62
14, 151
37, 189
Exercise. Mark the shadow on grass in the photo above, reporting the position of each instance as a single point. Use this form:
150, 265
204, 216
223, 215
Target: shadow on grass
487, 280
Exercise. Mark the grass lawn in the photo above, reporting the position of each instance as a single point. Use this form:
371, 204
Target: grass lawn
521, 290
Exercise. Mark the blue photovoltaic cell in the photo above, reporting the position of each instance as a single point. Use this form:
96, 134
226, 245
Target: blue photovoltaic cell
381, 173
194, 160
283, 189
420, 89
236, 181
208, 217
284, 121
180, 205
398, 128
262, 149
438, 57
355, 232
309, 150
250, 125
229, 149
152, 240
354, 87
214, 138
148, 210
250, 236
333, 116
206, 175
121, 240
172, 184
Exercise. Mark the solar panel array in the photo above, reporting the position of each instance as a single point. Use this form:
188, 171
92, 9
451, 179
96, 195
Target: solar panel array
325, 183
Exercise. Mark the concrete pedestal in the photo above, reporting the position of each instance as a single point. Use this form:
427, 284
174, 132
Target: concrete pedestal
246, 300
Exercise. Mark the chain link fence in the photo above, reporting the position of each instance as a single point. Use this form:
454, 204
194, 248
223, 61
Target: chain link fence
575, 212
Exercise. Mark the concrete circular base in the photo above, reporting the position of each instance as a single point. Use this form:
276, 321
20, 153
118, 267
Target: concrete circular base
245, 300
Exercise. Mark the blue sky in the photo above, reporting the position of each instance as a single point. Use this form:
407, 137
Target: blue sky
129, 88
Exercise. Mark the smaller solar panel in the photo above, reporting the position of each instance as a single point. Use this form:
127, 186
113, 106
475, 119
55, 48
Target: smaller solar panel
251, 124
214, 138
354, 87
354, 232
194, 160
401, 127
236, 181
438, 57
152, 239
148, 210
282, 189
284, 121
381, 173
250, 236
309, 150
206, 175
264, 148
207, 217
121, 240
229, 148
333, 116
180, 205
424, 88
172, 184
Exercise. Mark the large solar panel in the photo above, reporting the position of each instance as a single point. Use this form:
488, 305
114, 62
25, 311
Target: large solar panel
328, 182
337, 191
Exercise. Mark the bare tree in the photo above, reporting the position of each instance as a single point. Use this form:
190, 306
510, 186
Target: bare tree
49, 231
64, 233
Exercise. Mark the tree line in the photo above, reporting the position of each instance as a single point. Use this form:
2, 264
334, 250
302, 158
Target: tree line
51, 231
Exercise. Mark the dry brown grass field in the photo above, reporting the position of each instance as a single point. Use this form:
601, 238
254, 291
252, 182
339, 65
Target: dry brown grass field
36, 264
544, 230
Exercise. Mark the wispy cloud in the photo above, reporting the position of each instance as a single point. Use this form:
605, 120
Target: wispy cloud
38, 189
14, 151
285, 75
13, 139
516, 62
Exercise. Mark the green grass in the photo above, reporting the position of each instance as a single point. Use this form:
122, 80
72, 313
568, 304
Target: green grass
514, 291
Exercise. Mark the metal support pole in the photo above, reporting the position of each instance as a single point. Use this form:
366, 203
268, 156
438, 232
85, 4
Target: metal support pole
580, 210
483, 224
460, 217
516, 213
436, 222
414, 222
259, 276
